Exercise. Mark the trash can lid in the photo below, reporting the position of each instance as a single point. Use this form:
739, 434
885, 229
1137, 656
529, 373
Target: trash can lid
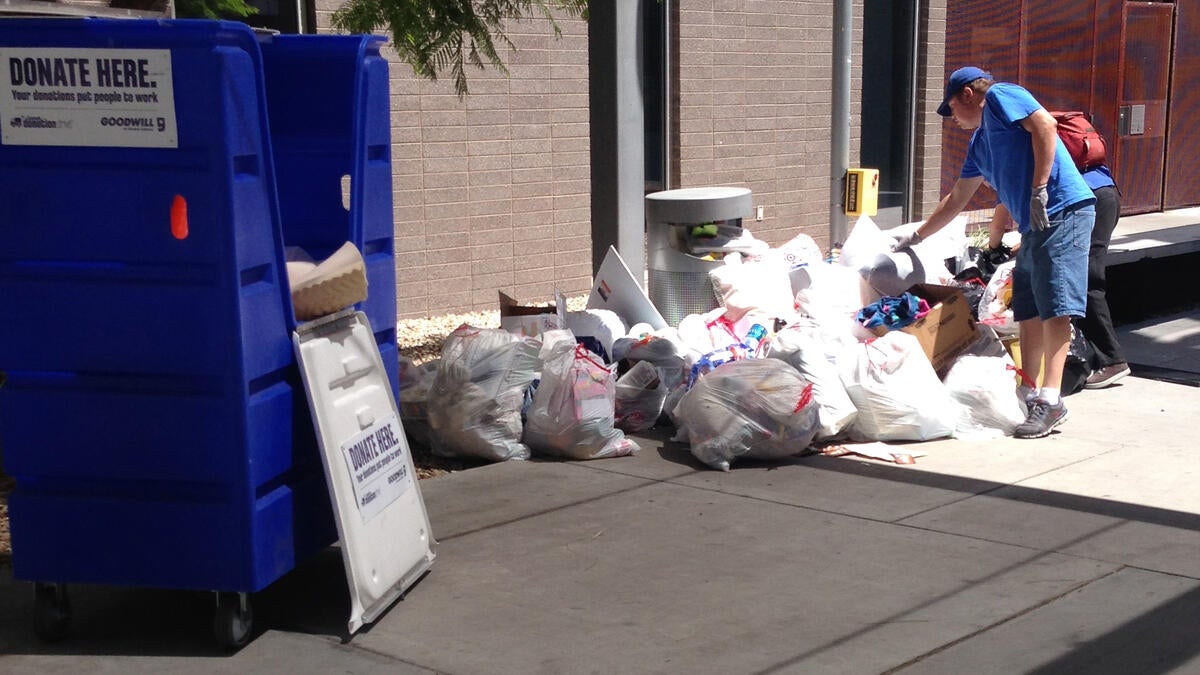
698, 205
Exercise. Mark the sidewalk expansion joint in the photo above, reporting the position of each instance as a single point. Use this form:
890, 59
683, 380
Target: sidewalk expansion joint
561, 507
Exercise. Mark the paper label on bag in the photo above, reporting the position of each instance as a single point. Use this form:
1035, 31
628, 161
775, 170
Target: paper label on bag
591, 396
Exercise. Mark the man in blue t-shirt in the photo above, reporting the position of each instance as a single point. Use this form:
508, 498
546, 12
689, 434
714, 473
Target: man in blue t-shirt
1015, 148
1107, 361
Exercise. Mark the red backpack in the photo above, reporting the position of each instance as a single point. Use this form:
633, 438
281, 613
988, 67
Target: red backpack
1085, 144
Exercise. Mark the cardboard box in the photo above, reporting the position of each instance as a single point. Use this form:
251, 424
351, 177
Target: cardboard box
947, 330
532, 321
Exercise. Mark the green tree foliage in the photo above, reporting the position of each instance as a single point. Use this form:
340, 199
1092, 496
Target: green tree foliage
213, 9
435, 35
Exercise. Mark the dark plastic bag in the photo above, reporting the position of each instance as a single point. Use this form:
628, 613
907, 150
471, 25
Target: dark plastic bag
1078, 366
972, 284
989, 259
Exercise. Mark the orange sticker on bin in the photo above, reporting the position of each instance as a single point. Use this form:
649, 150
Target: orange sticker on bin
179, 221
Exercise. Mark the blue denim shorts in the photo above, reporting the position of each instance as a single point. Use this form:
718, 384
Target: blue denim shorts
1050, 278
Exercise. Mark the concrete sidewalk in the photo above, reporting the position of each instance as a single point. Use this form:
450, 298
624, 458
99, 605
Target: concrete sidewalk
1078, 553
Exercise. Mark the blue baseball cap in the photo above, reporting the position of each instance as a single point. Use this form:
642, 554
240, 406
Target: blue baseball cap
959, 79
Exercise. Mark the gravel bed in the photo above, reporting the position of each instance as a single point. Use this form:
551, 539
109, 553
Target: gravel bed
421, 339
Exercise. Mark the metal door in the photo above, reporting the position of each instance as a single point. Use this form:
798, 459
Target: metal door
983, 33
1138, 153
1182, 181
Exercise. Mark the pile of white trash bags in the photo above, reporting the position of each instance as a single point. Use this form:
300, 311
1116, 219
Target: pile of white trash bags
780, 367
497, 396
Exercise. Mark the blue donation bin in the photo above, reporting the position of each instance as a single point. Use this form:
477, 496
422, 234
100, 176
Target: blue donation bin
151, 173
330, 119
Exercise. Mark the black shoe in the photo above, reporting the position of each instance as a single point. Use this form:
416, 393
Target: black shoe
1042, 418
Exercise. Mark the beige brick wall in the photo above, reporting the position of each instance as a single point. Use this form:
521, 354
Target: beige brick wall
492, 191
928, 151
754, 106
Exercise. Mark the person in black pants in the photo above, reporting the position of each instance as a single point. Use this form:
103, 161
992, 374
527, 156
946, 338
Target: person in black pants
1108, 364
1108, 361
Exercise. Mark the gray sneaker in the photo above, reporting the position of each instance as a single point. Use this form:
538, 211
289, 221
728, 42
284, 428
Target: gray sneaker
1042, 418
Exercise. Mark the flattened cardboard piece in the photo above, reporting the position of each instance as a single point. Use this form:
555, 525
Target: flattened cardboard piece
386, 540
616, 289
531, 321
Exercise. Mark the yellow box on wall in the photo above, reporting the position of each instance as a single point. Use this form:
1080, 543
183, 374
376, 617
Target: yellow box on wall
862, 192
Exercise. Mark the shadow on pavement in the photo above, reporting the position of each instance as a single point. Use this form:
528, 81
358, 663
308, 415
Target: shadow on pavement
1158, 641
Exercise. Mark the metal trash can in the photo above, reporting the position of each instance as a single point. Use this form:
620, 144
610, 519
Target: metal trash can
678, 279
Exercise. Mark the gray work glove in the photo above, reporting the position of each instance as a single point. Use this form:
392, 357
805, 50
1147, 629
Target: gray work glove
1038, 219
905, 240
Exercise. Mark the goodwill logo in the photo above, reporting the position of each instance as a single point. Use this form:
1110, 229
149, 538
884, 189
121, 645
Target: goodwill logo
87, 97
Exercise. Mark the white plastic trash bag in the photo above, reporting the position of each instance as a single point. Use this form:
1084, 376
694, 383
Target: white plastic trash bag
798, 251
674, 396
801, 346
761, 286
869, 250
760, 409
552, 338
894, 272
987, 389
731, 341
863, 245
832, 295
703, 333
896, 391
949, 242
572, 414
596, 329
660, 351
639, 397
415, 382
477, 393
994, 306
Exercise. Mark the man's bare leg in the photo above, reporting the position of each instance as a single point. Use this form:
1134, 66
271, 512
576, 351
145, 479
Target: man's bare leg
1031, 335
1056, 345
1050, 341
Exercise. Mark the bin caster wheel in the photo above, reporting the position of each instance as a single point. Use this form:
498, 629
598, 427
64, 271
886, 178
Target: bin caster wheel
233, 622
51, 611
